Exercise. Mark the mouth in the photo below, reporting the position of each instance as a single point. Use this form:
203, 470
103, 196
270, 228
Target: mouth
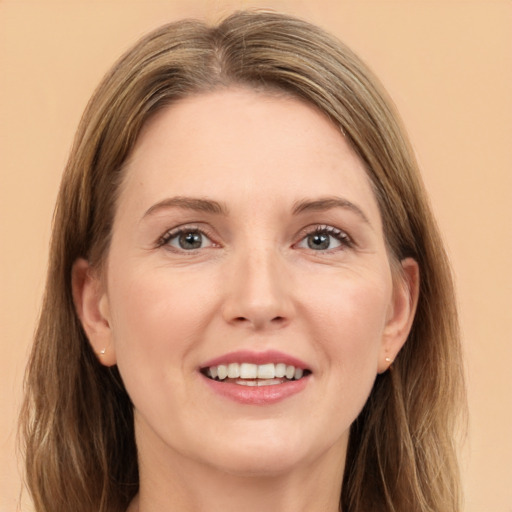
255, 375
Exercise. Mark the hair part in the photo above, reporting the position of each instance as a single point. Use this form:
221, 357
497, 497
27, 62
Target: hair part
79, 434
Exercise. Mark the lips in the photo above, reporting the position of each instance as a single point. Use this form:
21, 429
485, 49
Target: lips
249, 366
256, 377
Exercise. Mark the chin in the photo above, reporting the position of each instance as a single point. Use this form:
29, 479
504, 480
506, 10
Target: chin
264, 454
258, 464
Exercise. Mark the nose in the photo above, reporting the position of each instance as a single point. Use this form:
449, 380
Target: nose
258, 291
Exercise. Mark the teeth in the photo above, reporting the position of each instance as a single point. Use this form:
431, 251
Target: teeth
247, 382
267, 374
266, 371
222, 371
280, 370
233, 370
248, 371
269, 382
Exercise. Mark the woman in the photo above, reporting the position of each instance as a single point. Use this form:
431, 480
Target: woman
248, 303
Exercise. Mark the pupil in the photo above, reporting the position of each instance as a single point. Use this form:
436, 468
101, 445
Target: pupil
190, 240
318, 241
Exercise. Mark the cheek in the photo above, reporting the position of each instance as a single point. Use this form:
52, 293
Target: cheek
156, 323
345, 320
154, 320
153, 302
349, 318
360, 322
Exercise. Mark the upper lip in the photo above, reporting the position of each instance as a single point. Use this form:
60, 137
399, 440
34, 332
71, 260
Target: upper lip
254, 357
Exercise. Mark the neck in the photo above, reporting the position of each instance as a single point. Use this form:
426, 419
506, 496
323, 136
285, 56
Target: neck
178, 484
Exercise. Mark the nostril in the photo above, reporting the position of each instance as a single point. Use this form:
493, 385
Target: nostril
276, 321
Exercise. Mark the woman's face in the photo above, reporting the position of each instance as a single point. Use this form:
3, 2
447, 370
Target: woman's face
247, 238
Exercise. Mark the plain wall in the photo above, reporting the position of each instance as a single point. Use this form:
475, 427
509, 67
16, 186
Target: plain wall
448, 66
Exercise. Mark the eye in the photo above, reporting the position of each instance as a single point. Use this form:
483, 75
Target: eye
186, 239
324, 238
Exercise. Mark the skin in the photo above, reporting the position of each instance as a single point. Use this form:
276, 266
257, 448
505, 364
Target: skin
161, 311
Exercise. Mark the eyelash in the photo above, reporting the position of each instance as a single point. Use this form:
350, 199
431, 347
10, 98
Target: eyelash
340, 236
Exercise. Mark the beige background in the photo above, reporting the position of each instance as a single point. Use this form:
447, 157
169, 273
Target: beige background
447, 64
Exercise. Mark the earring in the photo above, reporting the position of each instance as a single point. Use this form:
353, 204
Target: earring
388, 360
102, 351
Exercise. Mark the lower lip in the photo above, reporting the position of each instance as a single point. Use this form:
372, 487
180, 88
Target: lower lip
257, 395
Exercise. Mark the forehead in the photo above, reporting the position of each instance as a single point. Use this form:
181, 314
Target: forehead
244, 145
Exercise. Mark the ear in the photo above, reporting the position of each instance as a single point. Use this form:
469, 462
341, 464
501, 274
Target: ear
91, 304
406, 285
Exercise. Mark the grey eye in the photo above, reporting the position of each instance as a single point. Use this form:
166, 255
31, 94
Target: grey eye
319, 241
189, 240
324, 238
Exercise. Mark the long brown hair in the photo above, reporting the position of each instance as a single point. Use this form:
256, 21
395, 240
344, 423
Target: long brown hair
77, 419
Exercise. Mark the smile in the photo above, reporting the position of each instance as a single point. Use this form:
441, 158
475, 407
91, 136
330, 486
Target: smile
249, 374
256, 377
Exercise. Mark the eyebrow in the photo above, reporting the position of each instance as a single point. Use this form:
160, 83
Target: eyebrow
328, 203
189, 203
217, 208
